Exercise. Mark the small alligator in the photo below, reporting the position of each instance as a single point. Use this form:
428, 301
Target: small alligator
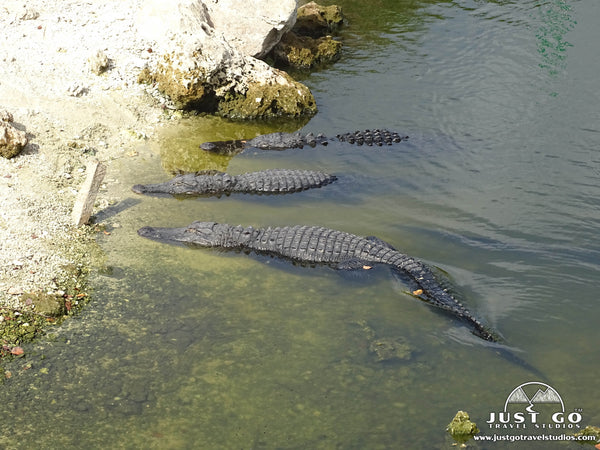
317, 245
282, 141
274, 181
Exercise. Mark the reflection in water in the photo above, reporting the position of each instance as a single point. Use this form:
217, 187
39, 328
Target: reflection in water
180, 146
557, 21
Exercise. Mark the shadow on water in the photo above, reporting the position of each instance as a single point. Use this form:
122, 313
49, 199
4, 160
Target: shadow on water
185, 348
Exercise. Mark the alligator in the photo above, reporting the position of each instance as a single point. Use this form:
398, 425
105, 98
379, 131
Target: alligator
273, 181
318, 245
282, 141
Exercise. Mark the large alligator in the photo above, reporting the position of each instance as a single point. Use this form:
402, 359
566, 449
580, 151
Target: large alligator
273, 181
317, 245
282, 141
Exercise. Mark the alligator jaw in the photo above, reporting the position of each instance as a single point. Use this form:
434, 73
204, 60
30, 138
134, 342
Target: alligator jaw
150, 188
138, 188
172, 187
198, 234
167, 235
156, 234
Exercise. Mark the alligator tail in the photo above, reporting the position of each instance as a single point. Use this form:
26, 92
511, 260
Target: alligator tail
372, 137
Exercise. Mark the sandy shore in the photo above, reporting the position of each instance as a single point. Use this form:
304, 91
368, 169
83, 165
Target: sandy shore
71, 115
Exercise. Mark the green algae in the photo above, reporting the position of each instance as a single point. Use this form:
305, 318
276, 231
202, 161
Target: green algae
317, 20
589, 431
264, 101
39, 311
304, 52
461, 428
191, 91
180, 144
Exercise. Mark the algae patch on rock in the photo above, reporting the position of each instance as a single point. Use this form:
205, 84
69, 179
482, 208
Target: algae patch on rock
262, 101
50, 305
36, 311
271, 96
310, 44
461, 428
303, 52
316, 20
202, 70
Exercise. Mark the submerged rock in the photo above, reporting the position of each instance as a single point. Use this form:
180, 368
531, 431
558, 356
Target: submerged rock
12, 140
390, 348
51, 305
202, 70
385, 349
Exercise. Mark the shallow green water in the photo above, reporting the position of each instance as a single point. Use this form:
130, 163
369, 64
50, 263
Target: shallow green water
497, 186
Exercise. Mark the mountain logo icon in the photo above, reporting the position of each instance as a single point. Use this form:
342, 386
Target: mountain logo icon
544, 394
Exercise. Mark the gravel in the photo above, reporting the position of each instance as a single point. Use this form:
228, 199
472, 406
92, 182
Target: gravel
52, 81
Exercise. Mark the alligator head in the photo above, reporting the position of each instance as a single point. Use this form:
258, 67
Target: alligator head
205, 182
224, 147
181, 184
202, 234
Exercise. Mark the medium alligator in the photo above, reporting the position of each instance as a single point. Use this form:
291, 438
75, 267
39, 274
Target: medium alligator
282, 141
317, 245
274, 181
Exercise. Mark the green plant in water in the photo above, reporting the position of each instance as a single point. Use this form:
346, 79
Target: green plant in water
461, 428
589, 431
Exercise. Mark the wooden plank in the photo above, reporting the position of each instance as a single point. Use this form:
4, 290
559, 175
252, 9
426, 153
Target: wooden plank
84, 204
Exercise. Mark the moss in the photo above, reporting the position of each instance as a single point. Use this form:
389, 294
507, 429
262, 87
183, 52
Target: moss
461, 428
263, 101
49, 305
390, 349
40, 310
589, 431
316, 20
303, 52
186, 90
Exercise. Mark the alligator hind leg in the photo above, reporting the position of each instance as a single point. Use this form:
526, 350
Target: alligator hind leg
376, 240
353, 264
358, 272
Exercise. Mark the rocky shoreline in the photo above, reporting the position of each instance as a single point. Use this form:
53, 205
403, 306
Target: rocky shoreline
70, 77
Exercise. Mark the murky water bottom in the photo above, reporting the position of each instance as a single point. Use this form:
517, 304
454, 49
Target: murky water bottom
189, 348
